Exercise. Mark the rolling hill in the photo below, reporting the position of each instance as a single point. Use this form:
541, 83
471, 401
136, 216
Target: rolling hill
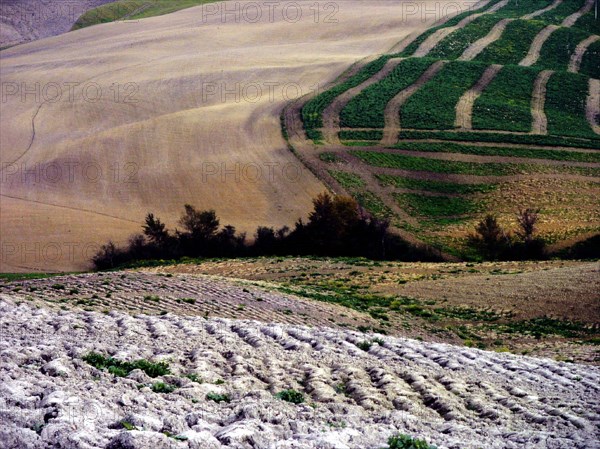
494, 110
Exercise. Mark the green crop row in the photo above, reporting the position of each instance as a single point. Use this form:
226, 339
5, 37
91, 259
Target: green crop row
589, 64
361, 135
433, 186
367, 109
416, 163
355, 185
565, 107
457, 42
436, 206
557, 15
588, 22
525, 139
433, 105
555, 155
505, 104
313, 109
558, 49
514, 43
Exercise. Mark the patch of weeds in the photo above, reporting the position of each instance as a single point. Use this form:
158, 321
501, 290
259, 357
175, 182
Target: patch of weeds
406, 442
365, 345
194, 378
123, 368
219, 382
218, 398
58, 286
162, 387
293, 396
151, 298
189, 300
128, 426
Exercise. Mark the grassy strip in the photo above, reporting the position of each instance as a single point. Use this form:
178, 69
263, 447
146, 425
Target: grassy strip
367, 109
355, 185
566, 97
506, 102
514, 43
457, 42
126, 9
313, 109
589, 62
361, 135
557, 15
415, 163
433, 105
558, 49
14, 277
554, 155
434, 186
524, 139
436, 206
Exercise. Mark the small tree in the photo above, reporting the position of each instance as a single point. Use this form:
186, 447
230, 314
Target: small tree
489, 238
527, 220
155, 230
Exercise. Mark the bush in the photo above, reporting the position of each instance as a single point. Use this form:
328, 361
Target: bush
218, 398
293, 396
161, 387
123, 368
406, 442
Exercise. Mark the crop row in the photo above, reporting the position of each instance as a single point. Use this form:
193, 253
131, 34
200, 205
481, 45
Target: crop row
436, 206
557, 15
416, 163
525, 139
558, 49
565, 107
505, 104
367, 109
589, 63
312, 112
514, 43
433, 105
448, 147
402, 182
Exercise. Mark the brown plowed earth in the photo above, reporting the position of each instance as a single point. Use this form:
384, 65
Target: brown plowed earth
593, 105
392, 109
534, 50
539, 124
331, 114
577, 55
464, 107
539, 12
478, 46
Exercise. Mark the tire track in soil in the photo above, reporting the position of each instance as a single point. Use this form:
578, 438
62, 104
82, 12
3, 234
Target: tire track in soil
539, 123
580, 50
392, 109
464, 107
331, 114
478, 46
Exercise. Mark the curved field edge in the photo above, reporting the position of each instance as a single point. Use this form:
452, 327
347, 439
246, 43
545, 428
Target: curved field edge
133, 10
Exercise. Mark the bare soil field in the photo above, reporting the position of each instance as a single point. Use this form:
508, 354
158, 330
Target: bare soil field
130, 117
216, 383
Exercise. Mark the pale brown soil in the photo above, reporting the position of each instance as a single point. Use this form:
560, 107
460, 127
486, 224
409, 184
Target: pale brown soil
593, 105
464, 107
539, 123
577, 55
478, 46
392, 109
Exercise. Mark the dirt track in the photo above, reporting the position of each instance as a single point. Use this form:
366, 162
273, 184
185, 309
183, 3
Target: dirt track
464, 107
539, 123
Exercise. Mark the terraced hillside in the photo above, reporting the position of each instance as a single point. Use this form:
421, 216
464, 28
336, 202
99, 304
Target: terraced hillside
491, 111
188, 382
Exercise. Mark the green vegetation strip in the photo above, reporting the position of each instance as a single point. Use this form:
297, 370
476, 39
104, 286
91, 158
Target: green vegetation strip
433, 186
505, 104
457, 42
561, 12
524, 139
589, 63
133, 9
414, 163
367, 109
356, 186
514, 43
436, 206
361, 135
433, 105
558, 49
555, 155
588, 22
313, 109
566, 98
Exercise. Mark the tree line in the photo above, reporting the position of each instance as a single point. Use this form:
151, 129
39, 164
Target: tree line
337, 227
